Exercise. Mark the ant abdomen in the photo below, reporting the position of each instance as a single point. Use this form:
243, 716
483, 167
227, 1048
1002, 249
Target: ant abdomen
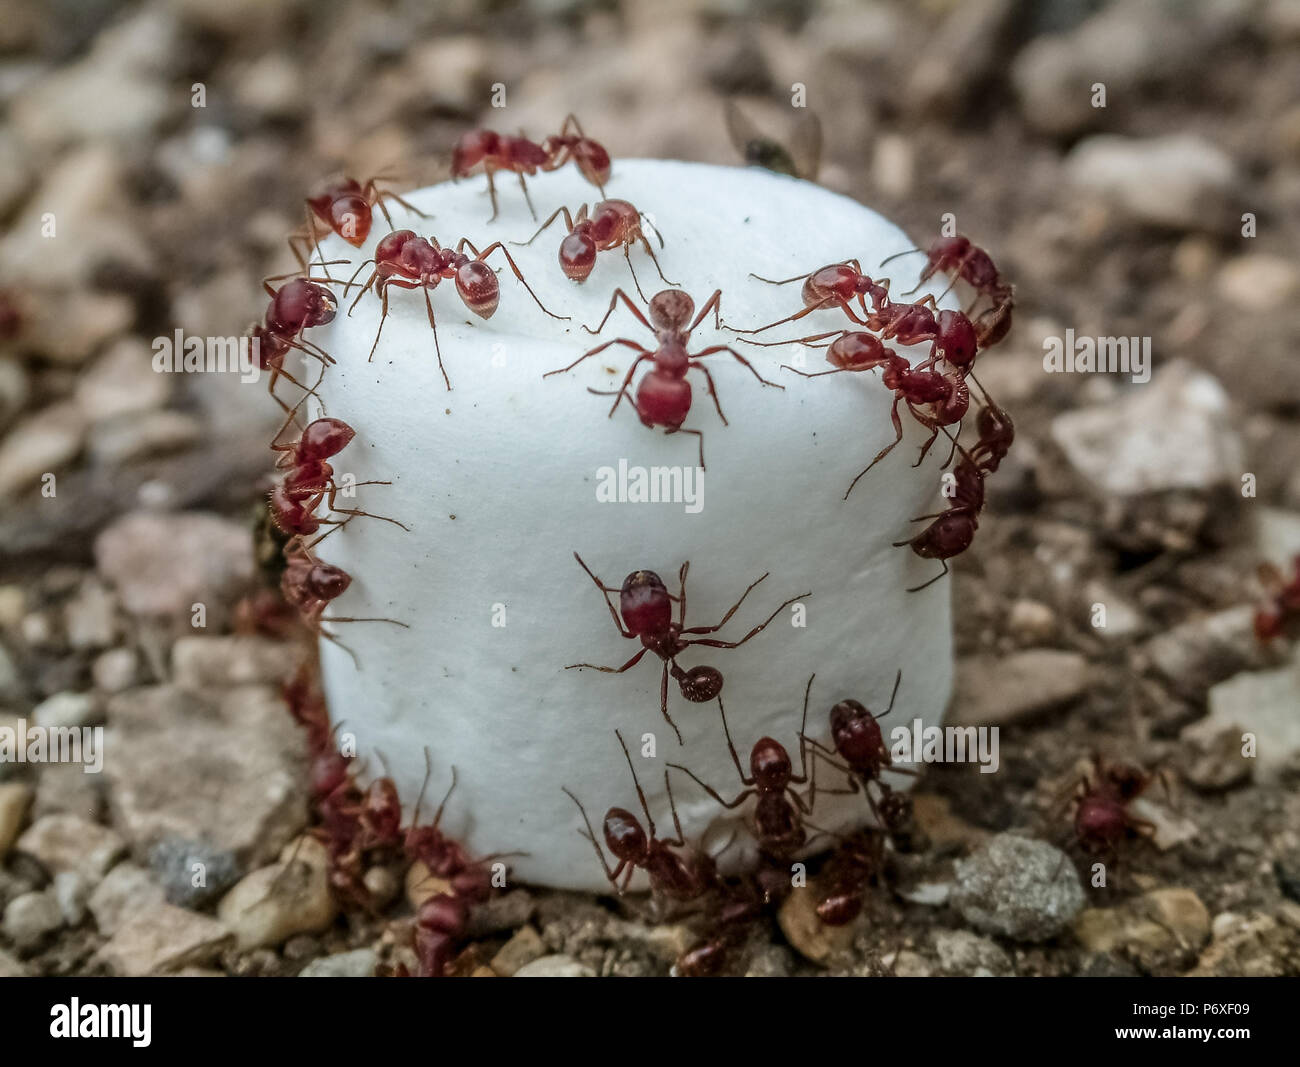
478, 288
701, 684
663, 400
578, 256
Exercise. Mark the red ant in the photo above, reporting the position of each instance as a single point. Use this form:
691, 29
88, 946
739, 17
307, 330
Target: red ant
663, 397
680, 875
734, 911
309, 480
345, 208
958, 258
1279, 614
953, 529
645, 611
860, 744
498, 151
296, 306
835, 285
408, 261
590, 157
778, 822
1101, 798
613, 224
842, 882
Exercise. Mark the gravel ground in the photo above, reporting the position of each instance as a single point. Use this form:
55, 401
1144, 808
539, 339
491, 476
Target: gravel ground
1171, 213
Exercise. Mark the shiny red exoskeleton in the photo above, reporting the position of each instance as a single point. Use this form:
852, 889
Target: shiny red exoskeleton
612, 224
953, 529
663, 396
1278, 615
408, 261
590, 157
498, 151
345, 207
835, 285
1101, 819
959, 259
778, 817
673, 868
645, 612
842, 883
296, 306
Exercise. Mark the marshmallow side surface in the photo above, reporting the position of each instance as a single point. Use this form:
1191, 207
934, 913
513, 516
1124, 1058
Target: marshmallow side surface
501, 481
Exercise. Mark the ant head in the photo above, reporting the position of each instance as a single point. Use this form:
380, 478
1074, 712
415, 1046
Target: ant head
663, 399
949, 535
470, 150
701, 684
856, 734
592, 160
992, 325
769, 765
478, 287
644, 603
625, 836
957, 338
578, 255
1127, 780
895, 809
671, 310
946, 251
299, 304
326, 581
323, 438
383, 808
895, 367
856, 351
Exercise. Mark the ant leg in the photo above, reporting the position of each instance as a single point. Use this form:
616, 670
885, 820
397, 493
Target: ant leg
905, 252
383, 315
697, 433
527, 199
803, 726
726, 732
374, 276
655, 259
645, 808
791, 318
783, 281
663, 703
613, 302
756, 630
923, 585
713, 393
898, 426
492, 191
732, 352
734, 608
568, 221
590, 835
605, 590
680, 840
710, 790
632, 270
437, 350
340, 618
610, 670
329, 502
898, 679
714, 304
797, 340
627, 380
481, 256
600, 348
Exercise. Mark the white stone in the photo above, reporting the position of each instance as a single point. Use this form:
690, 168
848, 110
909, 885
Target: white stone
497, 480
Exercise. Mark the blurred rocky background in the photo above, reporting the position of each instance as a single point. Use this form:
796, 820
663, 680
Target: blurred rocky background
1173, 212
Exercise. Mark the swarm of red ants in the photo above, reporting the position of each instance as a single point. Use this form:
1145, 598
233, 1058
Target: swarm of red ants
361, 827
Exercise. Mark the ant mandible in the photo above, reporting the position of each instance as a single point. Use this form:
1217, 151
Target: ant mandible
679, 875
645, 612
613, 224
408, 261
663, 397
